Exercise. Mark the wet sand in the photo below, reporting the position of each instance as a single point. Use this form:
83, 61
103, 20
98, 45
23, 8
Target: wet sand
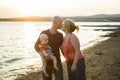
102, 61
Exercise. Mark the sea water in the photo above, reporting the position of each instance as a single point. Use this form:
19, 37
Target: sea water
17, 39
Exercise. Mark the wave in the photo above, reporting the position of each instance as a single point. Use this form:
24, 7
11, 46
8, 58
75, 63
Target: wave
12, 60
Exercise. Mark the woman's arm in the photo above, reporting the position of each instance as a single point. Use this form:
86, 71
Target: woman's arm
76, 46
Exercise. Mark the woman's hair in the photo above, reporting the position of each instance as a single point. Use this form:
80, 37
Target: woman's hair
70, 25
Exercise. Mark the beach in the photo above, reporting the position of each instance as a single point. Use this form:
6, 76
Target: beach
102, 61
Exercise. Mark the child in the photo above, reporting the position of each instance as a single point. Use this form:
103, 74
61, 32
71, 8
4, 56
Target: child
46, 53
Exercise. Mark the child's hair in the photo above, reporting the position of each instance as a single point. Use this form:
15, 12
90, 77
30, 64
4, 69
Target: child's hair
42, 36
70, 25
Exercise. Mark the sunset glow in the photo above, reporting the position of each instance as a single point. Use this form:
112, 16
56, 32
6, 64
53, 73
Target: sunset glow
60, 7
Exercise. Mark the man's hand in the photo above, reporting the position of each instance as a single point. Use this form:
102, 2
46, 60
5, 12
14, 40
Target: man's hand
40, 52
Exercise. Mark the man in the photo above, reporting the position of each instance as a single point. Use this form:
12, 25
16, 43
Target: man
55, 41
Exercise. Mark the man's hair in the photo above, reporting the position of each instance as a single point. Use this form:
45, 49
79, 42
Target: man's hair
55, 18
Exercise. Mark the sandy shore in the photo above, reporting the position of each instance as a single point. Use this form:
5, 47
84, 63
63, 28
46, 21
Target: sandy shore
102, 61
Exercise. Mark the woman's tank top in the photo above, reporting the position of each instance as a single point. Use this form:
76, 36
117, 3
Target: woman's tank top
69, 51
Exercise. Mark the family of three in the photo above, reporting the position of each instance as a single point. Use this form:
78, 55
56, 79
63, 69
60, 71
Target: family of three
49, 44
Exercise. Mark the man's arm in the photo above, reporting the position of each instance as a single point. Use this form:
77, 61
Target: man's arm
36, 45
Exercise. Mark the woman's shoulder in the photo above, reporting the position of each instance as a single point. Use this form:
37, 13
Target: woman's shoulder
74, 37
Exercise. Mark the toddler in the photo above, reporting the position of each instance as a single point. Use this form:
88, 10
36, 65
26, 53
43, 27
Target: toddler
46, 53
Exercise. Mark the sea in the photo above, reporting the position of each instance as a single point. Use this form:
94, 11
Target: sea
17, 39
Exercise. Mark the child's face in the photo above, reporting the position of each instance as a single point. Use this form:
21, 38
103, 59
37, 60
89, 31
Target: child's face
44, 40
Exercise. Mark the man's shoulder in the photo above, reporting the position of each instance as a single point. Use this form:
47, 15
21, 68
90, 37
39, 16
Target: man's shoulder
45, 31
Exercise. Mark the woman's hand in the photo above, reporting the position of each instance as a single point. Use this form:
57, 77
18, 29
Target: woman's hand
73, 68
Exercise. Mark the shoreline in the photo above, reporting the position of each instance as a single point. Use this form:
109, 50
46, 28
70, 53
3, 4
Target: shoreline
103, 59
97, 60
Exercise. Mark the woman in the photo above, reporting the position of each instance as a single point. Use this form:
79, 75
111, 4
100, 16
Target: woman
71, 50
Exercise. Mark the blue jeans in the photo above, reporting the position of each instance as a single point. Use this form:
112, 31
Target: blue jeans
79, 74
49, 69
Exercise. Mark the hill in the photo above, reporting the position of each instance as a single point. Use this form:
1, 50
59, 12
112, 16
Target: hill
97, 18
92, 18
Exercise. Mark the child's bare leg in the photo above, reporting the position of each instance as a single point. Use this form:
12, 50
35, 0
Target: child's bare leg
54, 62
44, 67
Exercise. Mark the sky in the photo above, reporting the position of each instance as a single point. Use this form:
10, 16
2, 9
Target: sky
21, 8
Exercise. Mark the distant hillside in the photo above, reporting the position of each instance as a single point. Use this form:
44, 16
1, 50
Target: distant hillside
92, 18
97, 18
106, 15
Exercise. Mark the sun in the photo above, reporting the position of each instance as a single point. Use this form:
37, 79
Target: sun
27, 10
28, 7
